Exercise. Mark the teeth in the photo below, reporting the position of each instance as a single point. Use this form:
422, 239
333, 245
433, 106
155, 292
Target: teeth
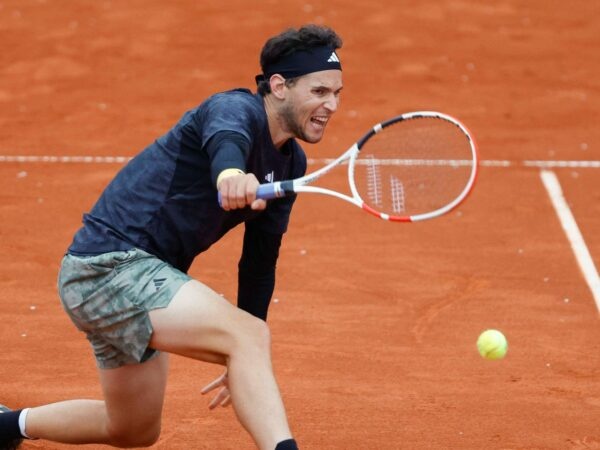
320, 120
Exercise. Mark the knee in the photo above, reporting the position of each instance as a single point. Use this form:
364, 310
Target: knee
134, 437
257, 334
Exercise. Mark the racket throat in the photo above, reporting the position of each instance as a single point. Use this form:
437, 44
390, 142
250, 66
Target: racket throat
286, 188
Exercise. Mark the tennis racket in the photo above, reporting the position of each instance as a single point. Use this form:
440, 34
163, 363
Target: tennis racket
412, 167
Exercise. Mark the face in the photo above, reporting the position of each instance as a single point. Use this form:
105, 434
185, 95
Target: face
310, 103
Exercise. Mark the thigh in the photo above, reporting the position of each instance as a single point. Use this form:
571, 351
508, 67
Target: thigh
134, 396
199, 323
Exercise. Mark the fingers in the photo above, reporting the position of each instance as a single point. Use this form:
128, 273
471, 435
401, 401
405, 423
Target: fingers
239, 191
225, 403
220, 381
209, 387
222, 399
258, 204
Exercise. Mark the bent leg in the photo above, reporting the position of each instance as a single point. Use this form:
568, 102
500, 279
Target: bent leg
134, 397
198, 322
129, 416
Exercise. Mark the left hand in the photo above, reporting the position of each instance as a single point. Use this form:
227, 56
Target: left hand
223, 398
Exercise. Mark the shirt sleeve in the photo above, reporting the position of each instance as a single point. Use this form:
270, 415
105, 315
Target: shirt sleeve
233, 111
256, 276
227, 150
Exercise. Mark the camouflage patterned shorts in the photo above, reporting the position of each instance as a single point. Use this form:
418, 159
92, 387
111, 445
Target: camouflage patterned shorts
108, 297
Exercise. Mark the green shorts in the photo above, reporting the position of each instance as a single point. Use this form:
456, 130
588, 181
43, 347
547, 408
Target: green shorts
108, 297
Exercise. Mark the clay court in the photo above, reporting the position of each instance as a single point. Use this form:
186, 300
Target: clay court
374, 324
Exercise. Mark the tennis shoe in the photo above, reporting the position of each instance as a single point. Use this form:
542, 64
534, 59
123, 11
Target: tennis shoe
12, 444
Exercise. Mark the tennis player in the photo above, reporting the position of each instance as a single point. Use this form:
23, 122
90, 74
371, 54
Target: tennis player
124, 279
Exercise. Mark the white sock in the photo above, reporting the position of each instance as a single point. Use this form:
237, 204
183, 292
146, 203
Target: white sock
22, 421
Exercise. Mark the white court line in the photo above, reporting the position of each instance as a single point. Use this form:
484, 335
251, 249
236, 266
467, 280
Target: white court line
63, 159
591, 164
568, 223
561, 164
541, 164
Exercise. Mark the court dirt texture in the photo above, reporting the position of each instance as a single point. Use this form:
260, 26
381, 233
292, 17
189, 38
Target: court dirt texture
374, 324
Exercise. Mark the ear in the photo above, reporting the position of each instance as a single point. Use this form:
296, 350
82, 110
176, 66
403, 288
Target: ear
277, 83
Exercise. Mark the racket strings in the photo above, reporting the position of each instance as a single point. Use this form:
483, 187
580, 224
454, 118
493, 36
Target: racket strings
413, 166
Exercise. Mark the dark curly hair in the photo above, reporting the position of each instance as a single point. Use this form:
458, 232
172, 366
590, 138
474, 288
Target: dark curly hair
291, 41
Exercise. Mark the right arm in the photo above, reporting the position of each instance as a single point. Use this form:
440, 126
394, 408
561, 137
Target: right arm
227, 151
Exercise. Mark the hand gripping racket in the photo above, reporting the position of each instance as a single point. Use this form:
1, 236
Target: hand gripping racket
413, 167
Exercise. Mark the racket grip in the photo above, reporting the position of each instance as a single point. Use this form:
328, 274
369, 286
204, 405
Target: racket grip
269, 191
266, 191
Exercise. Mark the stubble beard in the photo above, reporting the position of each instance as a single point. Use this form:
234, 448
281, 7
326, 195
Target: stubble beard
291, 124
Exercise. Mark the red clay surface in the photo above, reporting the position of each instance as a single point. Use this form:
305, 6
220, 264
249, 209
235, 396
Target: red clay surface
375, 325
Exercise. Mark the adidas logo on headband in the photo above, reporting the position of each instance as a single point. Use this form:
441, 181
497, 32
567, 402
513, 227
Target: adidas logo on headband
333, 58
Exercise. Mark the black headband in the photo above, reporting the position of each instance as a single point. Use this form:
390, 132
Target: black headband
302, 62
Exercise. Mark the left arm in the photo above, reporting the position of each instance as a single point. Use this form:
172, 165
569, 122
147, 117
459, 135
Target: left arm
256, 276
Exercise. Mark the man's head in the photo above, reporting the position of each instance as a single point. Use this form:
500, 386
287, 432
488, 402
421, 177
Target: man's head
296, 52
302, 79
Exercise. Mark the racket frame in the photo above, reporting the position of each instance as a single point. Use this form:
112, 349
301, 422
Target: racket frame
288, 187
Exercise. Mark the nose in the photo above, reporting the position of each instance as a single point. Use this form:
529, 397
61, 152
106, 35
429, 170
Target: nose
332, 103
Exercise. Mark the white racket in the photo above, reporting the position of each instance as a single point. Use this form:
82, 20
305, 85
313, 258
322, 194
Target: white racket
413, 167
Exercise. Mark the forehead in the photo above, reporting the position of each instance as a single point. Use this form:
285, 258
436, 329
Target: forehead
331, 79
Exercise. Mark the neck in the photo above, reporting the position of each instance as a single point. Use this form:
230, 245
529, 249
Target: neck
279, 135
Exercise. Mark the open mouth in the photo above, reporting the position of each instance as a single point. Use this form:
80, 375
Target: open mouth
319, 121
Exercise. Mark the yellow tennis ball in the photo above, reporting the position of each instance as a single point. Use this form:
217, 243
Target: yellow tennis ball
492, 344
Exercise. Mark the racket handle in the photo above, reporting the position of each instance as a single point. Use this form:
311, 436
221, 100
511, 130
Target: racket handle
266, 191
269, 191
